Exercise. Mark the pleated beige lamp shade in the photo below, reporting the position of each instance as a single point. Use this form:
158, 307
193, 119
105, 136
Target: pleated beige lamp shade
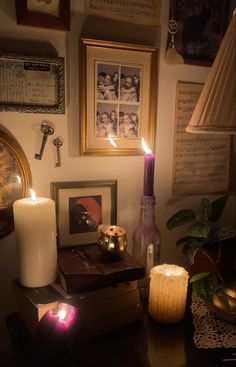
215, 111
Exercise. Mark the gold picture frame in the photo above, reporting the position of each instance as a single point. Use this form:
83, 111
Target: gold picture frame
15, 179
118, 97
81, 207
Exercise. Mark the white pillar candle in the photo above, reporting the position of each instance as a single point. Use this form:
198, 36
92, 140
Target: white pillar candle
168, 291
35, 229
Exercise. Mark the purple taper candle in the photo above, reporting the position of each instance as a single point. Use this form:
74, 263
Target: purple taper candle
149, 162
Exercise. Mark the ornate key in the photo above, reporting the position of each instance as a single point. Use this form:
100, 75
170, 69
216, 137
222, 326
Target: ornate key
46, 130
58, 143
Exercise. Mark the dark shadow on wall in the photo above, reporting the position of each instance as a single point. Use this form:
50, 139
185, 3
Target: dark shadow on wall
27, 47
116, 31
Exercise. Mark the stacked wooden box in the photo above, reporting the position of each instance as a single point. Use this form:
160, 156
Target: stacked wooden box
104, 289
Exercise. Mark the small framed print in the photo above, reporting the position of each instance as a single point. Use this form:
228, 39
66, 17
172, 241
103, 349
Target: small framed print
53, 14
81, 207
32, 84
201, 27
118, 97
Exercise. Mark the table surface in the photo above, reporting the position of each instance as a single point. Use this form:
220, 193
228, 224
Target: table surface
143, 343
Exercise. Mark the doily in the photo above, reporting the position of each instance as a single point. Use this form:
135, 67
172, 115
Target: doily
210, 332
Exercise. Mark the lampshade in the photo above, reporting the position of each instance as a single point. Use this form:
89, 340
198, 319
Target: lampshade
215, 111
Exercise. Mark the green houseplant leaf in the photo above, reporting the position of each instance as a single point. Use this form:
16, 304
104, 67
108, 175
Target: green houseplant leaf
205, 210
190, 249
203, 233
204, 285
182, 241
225, 232
199, 230
181, 217
217, 208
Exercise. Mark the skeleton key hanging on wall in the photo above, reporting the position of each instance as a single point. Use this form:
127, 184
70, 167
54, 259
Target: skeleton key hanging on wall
58, 143
46, 130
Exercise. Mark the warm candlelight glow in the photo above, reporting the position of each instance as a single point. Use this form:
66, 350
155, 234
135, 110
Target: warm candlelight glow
168, 291
33, 195
113, 143
145, 147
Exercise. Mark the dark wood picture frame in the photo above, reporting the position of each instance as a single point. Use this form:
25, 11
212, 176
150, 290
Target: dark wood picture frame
15, 178
201, 27
81, 206
43, 20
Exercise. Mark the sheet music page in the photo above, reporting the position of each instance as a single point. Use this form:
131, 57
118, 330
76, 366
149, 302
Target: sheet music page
201, 162
137, 11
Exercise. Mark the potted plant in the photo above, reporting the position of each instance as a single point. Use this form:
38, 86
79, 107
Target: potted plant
210, 249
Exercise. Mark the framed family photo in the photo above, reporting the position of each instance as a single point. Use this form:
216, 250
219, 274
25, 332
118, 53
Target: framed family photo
201, 27
117, 98
53, 14
15, 177
81, 208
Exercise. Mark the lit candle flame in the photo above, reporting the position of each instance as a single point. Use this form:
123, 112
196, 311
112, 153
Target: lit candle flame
33, 195
145, 147
113, 143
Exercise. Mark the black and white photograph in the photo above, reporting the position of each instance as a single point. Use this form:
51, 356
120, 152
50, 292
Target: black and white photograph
106, 120
118, 96
128, 121
130, 80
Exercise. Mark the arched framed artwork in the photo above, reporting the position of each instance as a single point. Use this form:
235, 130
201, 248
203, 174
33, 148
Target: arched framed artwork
15, 178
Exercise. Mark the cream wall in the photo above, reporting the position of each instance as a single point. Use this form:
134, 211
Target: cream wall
127, 170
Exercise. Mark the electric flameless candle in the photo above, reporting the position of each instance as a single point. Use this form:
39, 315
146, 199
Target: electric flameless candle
58, 334
149, 162
35, 229
168, 291
64, 315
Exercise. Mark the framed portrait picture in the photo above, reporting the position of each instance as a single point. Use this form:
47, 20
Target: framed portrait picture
201, 27
53, 14
15, 179
81, 208
117, 98
32, 84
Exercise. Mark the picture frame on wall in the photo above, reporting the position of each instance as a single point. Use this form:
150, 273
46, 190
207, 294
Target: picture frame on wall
32, 84
201, 27
53, 14
81, 207
15, 178
118, 98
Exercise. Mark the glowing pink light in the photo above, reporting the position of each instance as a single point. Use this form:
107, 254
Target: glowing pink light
65, 315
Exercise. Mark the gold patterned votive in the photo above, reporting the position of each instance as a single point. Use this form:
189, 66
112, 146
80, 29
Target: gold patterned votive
168, 291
